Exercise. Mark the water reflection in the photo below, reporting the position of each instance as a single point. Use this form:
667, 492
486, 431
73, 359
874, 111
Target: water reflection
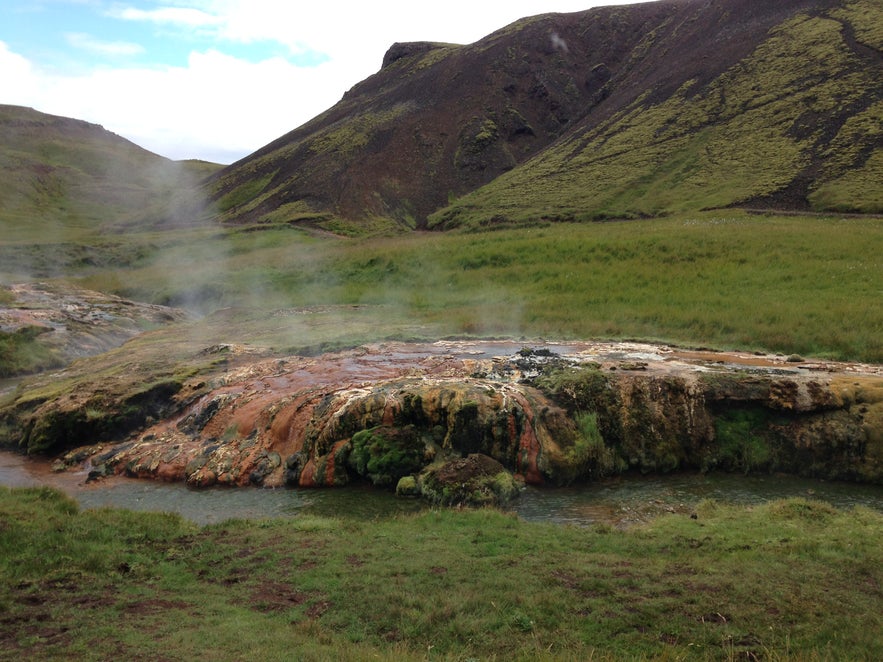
633, 499
619, 502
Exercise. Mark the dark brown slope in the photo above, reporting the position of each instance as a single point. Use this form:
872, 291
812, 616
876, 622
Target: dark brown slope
438, 121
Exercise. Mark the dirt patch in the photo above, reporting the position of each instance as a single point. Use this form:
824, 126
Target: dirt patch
354, 561
317, 609
276, 597
155, 606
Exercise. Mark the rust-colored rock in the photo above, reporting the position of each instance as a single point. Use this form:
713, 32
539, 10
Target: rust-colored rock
384, 412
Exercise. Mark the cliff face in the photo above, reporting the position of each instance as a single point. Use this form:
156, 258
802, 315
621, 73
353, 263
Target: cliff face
818, 425
556, 415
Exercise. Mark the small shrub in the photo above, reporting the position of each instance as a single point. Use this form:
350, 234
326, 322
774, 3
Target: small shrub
589, 454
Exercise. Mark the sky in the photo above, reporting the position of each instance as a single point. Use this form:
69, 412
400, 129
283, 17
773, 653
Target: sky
218, 79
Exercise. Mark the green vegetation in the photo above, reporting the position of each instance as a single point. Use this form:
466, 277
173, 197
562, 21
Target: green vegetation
749, 134
793, 579
593, 458
22, 354
740, 436
386, 454
75, 177
726, 281
795, 284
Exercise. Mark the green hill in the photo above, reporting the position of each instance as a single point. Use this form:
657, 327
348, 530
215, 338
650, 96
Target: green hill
66, 182
613, 112
797, 124
76, 174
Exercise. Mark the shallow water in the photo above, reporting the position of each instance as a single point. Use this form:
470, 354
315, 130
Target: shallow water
620, 502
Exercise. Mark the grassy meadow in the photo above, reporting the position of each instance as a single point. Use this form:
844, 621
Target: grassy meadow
728, 280
790, 580
793, 580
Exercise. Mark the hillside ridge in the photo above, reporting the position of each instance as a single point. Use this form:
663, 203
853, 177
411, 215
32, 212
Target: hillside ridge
519, 126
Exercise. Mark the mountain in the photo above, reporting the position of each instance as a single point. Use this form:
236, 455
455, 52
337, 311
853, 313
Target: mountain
612, 112
69, 174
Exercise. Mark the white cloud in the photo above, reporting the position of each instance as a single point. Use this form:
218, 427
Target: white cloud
88, 43
17, 75
217, 107
187, 17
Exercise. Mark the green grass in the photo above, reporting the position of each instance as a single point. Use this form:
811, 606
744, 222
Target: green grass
792, 579
793, 285
22, 354
806, 285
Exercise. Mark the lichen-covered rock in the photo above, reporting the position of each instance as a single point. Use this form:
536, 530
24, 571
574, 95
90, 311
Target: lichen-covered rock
383, 415
475, 480
407, 487
726, 420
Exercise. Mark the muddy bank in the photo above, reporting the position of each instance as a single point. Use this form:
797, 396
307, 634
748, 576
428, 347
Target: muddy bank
548, 413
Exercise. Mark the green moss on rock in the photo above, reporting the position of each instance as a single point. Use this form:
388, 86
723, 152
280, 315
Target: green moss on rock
385, 454
476, 480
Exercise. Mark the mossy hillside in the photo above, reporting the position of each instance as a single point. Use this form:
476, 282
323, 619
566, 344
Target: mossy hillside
357, 132
850, 187
745, 136
396, 140
263, 192
75, 176
793, 579
863, 16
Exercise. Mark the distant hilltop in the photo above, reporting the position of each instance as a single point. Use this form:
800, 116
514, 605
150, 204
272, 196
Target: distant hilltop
615, 112
626, 111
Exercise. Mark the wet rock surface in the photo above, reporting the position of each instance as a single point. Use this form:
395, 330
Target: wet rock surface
72, 322
391, 411
475, 480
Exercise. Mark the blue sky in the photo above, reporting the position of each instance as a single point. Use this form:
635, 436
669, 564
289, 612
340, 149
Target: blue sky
218, 79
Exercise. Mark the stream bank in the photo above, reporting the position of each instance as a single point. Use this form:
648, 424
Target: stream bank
620, 502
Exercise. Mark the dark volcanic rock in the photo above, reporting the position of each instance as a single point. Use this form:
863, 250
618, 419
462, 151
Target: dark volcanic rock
400, 50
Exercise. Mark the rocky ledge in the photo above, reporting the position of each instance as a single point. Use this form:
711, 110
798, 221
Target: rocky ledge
546, 413
54, 324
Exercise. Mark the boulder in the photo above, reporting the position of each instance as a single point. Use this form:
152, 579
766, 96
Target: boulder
475, 480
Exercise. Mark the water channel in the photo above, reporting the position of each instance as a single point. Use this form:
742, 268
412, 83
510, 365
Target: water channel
620, 502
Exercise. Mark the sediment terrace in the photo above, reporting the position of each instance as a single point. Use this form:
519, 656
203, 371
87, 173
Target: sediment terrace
550, 413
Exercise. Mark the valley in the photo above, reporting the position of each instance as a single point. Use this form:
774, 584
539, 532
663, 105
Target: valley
491, 270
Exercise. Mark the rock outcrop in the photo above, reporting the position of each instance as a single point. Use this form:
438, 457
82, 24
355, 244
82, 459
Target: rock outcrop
55, 324
557, 415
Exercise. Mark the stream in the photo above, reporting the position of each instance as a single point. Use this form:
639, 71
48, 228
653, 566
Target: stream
620, 502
